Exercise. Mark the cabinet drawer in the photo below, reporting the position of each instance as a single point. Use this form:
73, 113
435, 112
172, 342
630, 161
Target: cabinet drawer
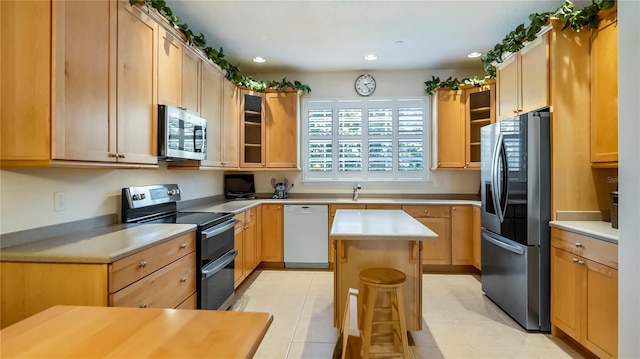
597, 250
334, 207
240, 219
129, 269
251, 214
189, 303
165, 288
384, 206
427, 211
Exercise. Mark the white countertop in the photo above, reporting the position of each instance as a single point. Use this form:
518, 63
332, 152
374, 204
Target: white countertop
355, 224
102, 245
596, 229
242, 205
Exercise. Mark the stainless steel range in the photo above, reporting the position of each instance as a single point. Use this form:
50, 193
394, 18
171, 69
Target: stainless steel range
214, 238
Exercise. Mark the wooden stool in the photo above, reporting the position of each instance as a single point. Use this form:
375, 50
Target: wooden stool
386, 281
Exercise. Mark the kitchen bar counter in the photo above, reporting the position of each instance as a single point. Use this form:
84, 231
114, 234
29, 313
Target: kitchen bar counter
101, 332
102, 245
380, 238
597, 229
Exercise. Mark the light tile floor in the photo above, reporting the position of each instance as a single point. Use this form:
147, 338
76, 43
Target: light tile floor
459, 321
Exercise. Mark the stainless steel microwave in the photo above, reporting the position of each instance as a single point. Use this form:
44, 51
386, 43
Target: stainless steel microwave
181, 135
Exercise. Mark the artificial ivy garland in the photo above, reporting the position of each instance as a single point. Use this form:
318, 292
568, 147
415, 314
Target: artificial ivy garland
516, 39
217, 55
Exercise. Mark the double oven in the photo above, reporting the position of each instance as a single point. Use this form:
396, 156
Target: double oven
214, 238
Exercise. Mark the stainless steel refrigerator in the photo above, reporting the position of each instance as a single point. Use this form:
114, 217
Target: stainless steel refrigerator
515, 245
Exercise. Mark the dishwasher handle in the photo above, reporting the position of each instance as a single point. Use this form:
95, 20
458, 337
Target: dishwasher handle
306, 209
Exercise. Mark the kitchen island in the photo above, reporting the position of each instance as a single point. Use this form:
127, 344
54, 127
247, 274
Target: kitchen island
101, 332
379, 238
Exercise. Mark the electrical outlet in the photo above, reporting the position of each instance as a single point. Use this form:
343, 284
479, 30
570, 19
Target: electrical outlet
59, 202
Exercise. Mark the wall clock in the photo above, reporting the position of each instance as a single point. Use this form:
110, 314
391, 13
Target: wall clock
365, 85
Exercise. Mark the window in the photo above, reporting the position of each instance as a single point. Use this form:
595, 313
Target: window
373, 139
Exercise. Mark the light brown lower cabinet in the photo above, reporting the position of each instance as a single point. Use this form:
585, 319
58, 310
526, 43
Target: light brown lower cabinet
461, 235
436, 218
476, 235
162, 276
584, 292
272, 233
246, 243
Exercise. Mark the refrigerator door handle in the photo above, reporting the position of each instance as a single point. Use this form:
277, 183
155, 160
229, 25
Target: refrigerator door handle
504, 184
503, 245
495, 185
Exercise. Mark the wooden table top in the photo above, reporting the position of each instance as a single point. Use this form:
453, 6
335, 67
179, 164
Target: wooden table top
108, 332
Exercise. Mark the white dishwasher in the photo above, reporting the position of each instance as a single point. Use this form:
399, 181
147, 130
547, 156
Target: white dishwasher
306, 236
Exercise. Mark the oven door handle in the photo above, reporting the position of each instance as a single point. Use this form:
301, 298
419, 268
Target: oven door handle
217, 265
217, 230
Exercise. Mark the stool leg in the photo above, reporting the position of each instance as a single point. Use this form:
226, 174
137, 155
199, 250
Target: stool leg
367, 329
403, 323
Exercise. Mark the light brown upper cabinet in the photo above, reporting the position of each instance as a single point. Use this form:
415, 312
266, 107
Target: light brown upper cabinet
252, 129
72, 97
461, 114
604, 91
230, 126
523, 79
179, 72
281, 130
450, 128
211, 110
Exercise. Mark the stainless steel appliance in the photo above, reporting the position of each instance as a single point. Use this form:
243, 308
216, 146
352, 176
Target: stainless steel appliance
515, 245
181, 135
215, 253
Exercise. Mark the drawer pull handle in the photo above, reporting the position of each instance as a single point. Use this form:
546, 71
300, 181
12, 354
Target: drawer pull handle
182, 280
575, 260
143, 264
143, 305
183, 246
578, 245
581, 262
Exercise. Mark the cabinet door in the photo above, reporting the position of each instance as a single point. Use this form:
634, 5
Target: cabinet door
272, 233
599, 331
252, 129
451, 129
191, 75
281, 130
25, 89
480, 110
461, 235
230, 127
84, 87
565, 292
507, 76
437, 251
534, 74
604, 91
476, 229
211, 110
137, 86
250, 246
169, 69
239, 265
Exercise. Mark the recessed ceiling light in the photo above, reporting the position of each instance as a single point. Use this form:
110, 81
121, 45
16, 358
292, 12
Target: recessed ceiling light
371, 57
259, 59
475, 54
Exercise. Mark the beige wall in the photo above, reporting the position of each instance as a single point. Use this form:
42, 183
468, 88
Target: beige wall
26, 195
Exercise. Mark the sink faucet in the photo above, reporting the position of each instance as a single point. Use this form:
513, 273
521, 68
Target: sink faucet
356, 188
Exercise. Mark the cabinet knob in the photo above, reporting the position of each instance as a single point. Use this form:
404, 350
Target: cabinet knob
183, 246
581, 262
113, 155
575, 260
246, 227
515, 111
578, 245
182, 280
143, 305
143, 264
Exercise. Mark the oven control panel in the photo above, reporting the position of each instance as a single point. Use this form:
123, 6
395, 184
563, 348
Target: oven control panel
143, 196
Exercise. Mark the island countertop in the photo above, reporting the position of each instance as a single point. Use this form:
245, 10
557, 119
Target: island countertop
101, 332
379, 224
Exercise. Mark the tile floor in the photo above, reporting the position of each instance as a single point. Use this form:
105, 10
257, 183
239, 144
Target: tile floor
459, 321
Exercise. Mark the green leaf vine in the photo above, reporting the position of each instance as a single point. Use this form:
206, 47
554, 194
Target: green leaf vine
516, 39
217, 55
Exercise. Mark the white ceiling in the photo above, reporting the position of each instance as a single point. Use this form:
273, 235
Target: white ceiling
330, 35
